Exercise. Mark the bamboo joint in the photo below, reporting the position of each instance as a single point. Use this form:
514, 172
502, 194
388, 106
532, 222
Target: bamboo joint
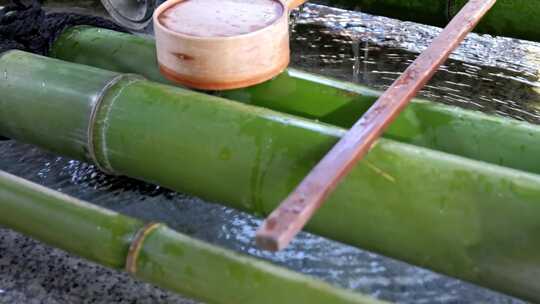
137, 244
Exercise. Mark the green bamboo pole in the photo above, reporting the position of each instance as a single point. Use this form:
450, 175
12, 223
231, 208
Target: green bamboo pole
445, 128
154, 252
465, 218
65, 132
512, 18
88, 231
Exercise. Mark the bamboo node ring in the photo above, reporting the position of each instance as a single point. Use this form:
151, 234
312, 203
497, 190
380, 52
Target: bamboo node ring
96, 106
136, 245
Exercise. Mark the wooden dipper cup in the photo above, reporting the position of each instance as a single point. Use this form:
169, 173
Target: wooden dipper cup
222, 44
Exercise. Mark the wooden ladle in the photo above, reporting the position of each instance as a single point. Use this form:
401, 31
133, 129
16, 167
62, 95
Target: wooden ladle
222, 62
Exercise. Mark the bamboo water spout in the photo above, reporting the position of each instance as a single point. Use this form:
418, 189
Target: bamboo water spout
155, 253
428, 124
474, 221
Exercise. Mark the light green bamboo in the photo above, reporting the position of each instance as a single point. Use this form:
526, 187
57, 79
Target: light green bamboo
445, 128
86, 230
166, 257
469, 219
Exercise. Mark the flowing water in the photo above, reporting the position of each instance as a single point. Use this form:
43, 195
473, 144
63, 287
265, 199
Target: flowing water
496, 75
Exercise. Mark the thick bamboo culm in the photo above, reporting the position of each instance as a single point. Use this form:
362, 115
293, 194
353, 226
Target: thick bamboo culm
469, 219
423, 123
512, 18
155, 253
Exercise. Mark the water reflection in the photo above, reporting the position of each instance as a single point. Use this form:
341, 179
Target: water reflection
497, 76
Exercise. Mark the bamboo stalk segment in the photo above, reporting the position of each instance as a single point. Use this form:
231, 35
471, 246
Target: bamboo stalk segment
166, 258
62, 221
221, 276
66, 128
474, 221
423, 123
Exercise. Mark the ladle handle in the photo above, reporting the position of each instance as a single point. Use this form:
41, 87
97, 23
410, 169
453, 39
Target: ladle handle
298, 208
292, 4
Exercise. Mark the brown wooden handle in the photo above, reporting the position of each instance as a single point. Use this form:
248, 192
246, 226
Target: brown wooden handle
292, 4
293, 213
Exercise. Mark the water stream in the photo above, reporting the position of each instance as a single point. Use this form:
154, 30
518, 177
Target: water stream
495, 75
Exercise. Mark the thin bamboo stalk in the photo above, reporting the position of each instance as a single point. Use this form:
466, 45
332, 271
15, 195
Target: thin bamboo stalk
88, 231
465, 218
156, 253
512, 18
432, 125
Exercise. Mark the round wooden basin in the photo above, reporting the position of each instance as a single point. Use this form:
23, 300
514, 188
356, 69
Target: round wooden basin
222, 44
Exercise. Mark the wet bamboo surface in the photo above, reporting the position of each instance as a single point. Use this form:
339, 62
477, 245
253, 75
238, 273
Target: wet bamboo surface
154, 252
297, 209
260, 153
444, 128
